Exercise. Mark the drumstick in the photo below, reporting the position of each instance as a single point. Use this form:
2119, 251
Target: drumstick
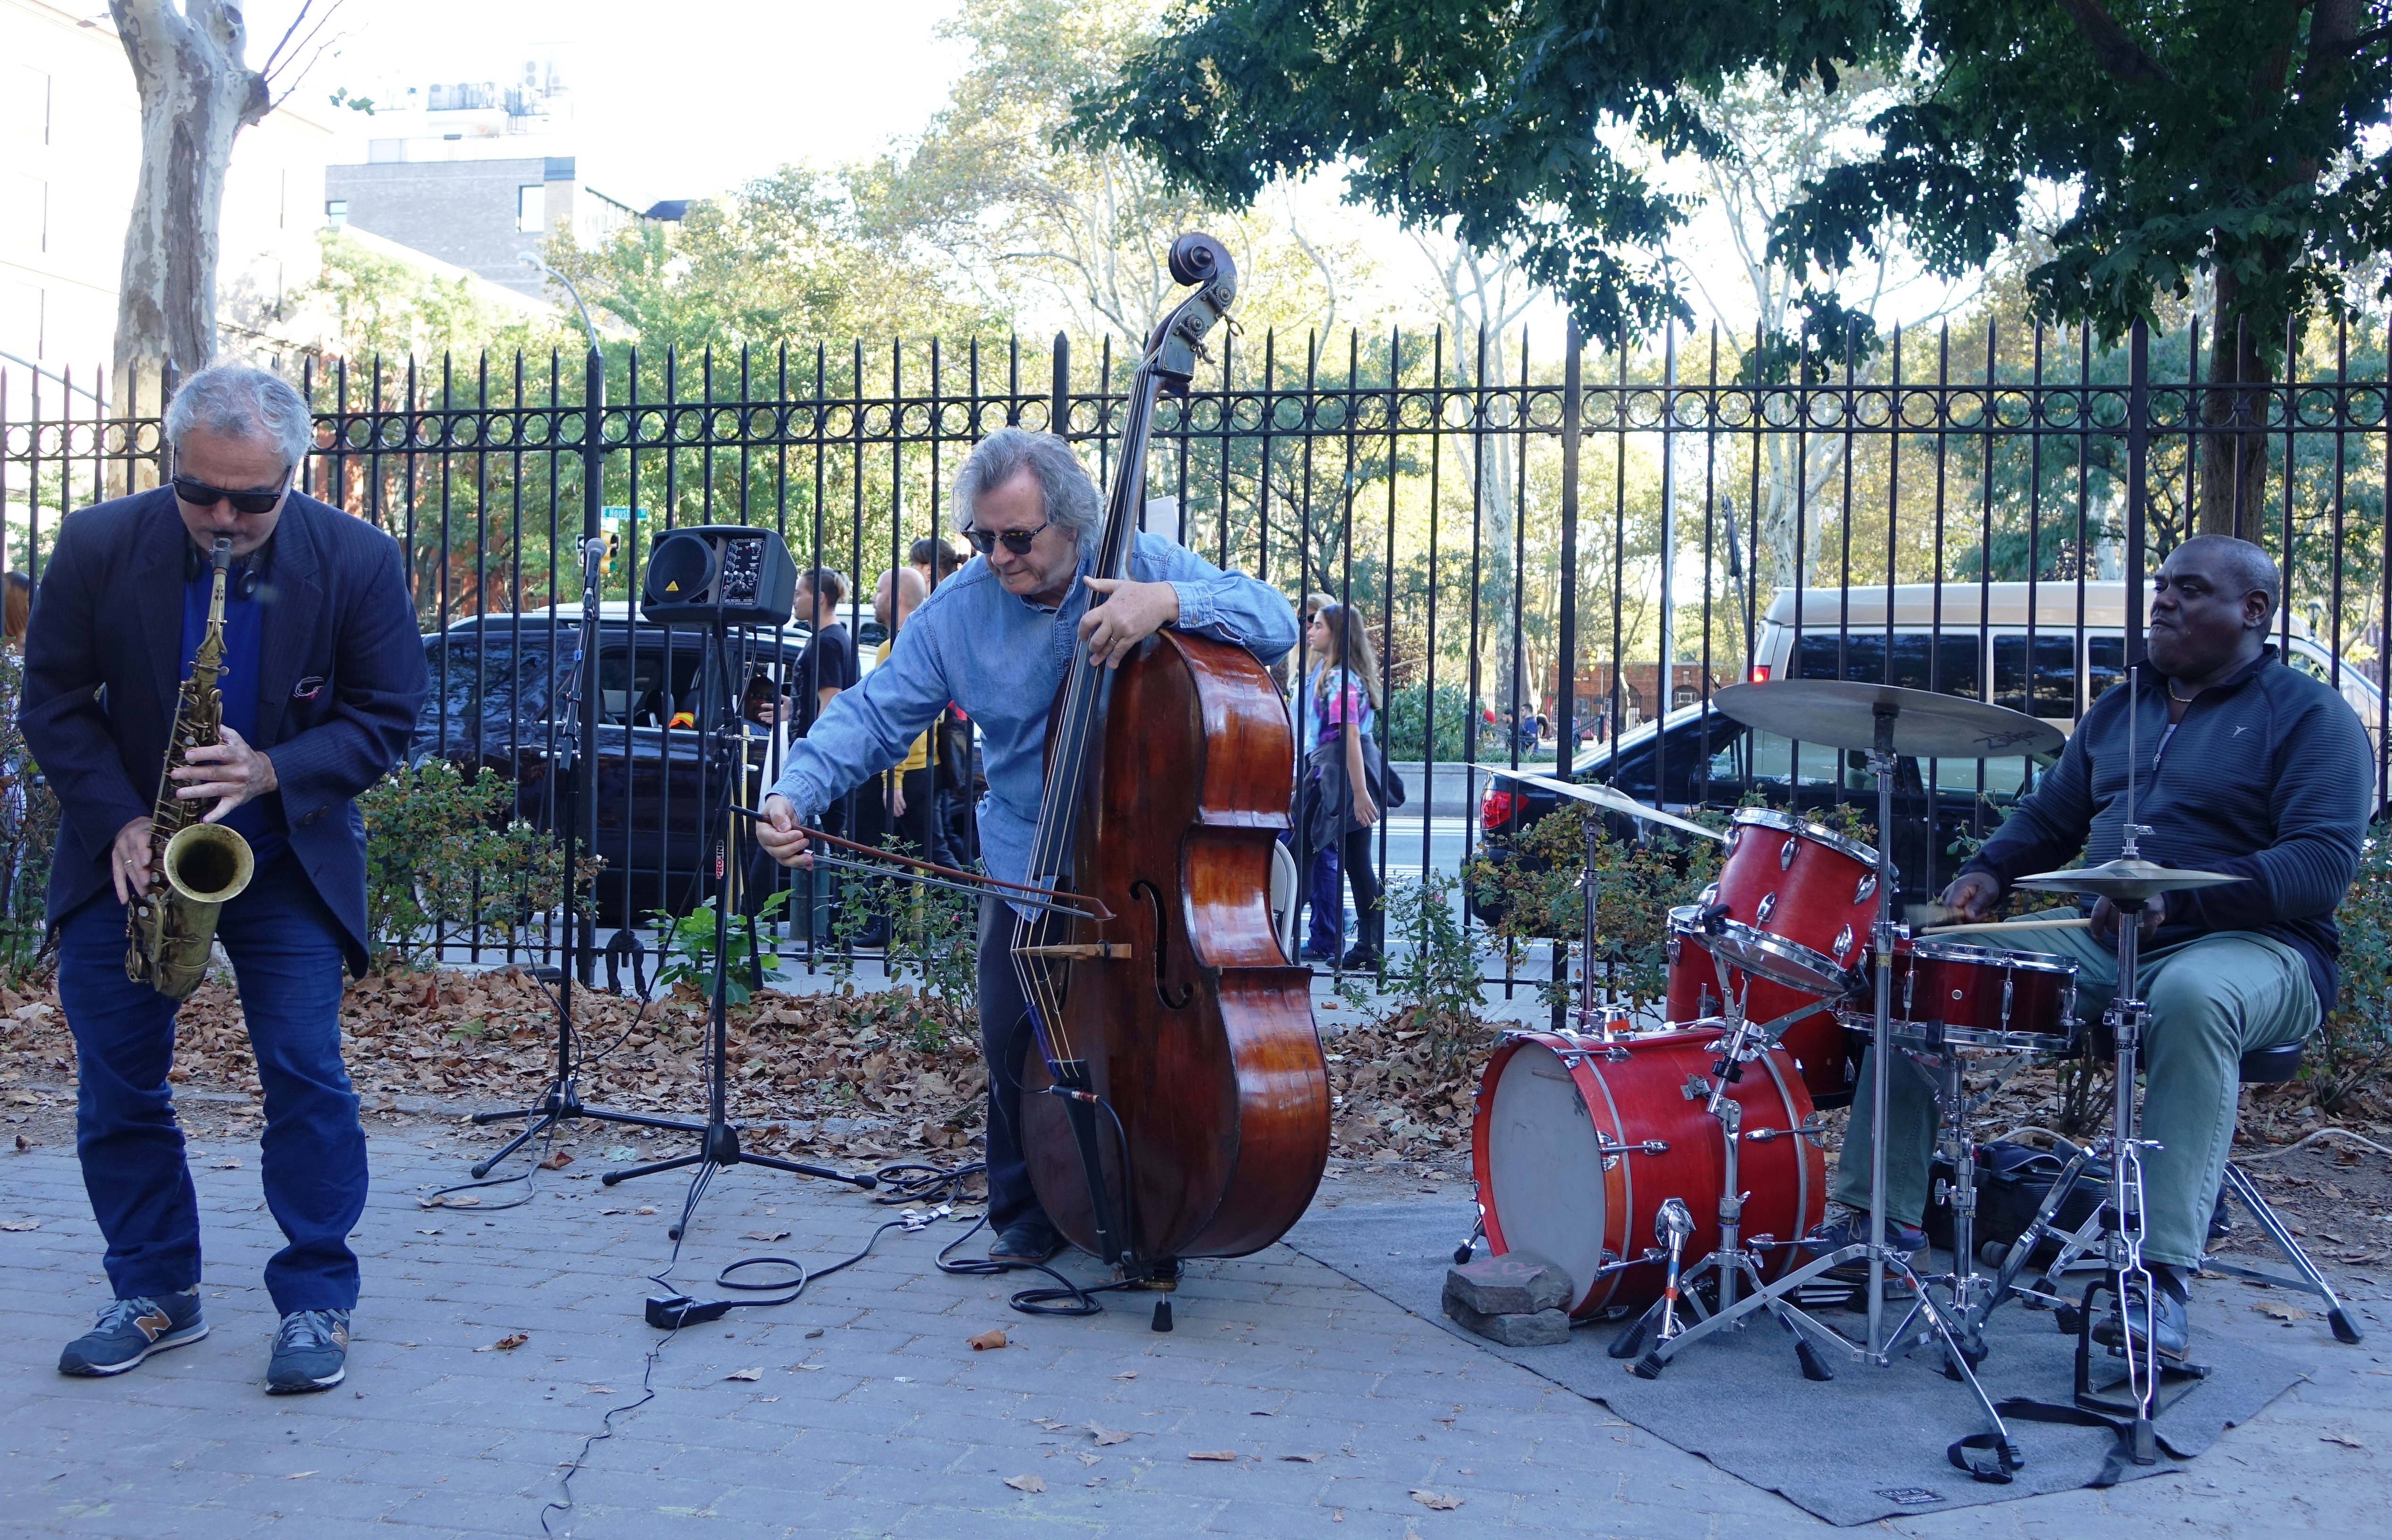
2080, 923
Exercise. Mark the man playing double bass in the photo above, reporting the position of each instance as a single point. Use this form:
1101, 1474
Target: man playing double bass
997, 638
2243, 766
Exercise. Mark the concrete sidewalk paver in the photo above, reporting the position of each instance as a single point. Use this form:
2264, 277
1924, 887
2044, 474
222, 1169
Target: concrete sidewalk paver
872, 1416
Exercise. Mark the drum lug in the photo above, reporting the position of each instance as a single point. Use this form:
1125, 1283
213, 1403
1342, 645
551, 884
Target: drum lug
1710, 896
1867, 890
1843, 944
1768, 907
1785, 853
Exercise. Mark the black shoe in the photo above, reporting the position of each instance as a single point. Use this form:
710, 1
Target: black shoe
311, 1353
1362, 959
2171, 1332
130, 1330
1853, 1229
1315, 954
1025, 1243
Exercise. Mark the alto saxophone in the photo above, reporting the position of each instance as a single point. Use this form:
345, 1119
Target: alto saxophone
195, 868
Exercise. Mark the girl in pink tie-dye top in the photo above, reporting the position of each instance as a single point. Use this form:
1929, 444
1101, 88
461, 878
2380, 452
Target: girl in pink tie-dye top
1343, 692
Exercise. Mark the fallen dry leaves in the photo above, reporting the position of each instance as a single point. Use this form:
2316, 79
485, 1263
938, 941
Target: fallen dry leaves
993, 1338
1212, 1454
508, 1343
1444, 1502
1026, 1483
1109, 1435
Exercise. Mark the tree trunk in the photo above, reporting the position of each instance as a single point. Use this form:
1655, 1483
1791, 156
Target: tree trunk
2234, 455
197, 94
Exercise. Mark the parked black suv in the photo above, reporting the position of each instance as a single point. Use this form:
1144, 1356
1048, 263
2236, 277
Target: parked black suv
498, 683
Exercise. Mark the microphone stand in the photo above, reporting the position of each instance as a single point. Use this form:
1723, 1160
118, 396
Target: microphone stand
717, 1143
562, 1099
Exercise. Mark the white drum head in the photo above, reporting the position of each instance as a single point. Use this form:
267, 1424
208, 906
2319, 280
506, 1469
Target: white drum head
1544, 1165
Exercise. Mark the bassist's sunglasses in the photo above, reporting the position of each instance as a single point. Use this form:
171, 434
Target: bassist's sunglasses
199, 493
985, 541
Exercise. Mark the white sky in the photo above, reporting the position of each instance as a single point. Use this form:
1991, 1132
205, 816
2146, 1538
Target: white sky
681, 99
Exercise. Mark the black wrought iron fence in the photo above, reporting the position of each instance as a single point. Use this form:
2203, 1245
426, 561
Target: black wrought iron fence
1589, 538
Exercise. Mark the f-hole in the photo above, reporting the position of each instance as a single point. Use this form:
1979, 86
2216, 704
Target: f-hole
1144, 889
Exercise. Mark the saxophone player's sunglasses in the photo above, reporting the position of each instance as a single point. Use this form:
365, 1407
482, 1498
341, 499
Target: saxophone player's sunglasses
199, 493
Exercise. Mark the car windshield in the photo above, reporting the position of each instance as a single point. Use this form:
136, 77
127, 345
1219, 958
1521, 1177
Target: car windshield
500, 677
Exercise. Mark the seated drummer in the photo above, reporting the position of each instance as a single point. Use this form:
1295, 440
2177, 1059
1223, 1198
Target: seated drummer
2248, 768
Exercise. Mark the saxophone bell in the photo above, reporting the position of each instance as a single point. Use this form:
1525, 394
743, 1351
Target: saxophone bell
208, 863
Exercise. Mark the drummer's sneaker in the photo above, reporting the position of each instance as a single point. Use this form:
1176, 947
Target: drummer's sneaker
2171, 1332
130, 1330
311, 1353
1848, 1226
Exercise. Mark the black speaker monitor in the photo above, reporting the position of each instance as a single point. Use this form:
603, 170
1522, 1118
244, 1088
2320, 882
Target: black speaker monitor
733, 573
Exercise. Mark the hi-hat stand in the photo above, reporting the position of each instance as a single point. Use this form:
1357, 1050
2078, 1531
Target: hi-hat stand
717, 1136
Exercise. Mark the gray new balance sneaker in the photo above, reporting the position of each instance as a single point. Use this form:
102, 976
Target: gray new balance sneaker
130, 1330
311, 1353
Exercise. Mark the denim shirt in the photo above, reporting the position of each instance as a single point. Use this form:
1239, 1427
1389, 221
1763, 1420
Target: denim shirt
1002, 658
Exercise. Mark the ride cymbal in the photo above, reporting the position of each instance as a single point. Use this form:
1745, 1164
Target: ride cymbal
1925, 725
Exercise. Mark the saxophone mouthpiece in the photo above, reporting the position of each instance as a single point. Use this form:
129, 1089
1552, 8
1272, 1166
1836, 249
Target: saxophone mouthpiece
220, 554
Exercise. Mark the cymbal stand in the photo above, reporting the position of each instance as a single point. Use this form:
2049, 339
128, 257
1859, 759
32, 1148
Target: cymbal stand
1926, 1320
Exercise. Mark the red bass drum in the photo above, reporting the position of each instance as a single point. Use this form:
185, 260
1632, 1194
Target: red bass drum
1558, 1154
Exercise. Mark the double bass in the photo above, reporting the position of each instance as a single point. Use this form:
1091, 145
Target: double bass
1178, 1105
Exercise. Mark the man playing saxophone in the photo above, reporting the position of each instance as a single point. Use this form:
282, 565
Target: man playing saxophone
320, 673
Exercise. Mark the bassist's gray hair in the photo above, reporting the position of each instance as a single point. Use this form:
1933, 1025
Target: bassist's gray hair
1069, 498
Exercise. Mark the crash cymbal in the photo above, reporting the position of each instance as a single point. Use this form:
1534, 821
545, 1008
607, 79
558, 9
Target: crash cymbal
1925, 725
1604, 797
2128, 880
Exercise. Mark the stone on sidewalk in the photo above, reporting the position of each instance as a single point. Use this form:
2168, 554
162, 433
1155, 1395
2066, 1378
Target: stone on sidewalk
1517, 1283
1514, 1299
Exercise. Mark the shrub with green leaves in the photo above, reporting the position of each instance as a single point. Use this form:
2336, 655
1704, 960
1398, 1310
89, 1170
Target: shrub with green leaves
29, 830
686, 950
442, 857
2357, 1037
1436, 968
1640, 882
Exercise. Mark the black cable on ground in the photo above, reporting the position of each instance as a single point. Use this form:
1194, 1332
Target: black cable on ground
896, 1187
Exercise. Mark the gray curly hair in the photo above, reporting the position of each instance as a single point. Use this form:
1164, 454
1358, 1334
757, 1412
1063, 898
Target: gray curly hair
246, 403
1067, 494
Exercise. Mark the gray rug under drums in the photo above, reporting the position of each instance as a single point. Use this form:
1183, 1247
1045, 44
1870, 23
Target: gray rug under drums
1869, 1444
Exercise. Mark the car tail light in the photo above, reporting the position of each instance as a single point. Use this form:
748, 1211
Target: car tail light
1494, 808
1760, 674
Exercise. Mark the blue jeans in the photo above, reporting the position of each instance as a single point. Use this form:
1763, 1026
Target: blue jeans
286, 955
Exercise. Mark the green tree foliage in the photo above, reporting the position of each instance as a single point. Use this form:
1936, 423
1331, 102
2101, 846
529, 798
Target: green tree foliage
2185, 138
379, 306
29, 830
1512, 123
993, 188
798, 256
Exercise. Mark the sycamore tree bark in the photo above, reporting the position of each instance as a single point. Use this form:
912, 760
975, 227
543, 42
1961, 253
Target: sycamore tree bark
197, 95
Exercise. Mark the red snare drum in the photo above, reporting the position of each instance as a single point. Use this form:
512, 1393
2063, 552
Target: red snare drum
1559, 1156
1952, 993
1811, 889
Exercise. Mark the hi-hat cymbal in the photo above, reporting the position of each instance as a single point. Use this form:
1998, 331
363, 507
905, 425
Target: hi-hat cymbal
2128, 880
1925, 725
1604, 797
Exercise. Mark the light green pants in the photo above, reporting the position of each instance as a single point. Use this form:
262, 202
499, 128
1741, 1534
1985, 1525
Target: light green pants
2212, 1000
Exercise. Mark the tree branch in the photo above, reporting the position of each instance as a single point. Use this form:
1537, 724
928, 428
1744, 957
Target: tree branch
2114, 48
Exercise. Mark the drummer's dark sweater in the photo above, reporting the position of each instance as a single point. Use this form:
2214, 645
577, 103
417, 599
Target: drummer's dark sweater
2269, 778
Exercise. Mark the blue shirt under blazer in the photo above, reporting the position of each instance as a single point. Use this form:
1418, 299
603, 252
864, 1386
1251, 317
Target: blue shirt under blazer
339, 679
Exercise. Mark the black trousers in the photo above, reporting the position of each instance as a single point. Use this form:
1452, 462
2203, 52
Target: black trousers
1006, 1042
